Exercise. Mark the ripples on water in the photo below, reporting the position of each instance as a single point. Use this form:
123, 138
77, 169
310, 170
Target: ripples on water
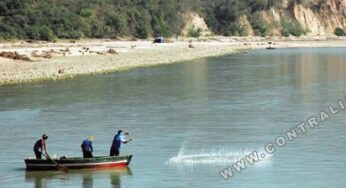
221, 157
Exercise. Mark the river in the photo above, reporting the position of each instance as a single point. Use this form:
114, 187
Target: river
189, 121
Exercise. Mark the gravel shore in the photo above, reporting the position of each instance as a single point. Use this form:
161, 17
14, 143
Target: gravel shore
66, 59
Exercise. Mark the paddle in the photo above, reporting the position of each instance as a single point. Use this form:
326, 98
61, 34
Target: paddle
59, 166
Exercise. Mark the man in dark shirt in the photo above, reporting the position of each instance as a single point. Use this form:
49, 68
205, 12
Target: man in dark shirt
87, 147
40, 146
116, 144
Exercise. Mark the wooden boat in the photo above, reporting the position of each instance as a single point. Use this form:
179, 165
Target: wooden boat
271, 48
78, 163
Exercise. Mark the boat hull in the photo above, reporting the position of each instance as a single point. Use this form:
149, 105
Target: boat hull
78, 163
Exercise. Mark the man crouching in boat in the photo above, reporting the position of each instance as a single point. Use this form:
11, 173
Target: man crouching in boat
40, 146
87, 147
118, 139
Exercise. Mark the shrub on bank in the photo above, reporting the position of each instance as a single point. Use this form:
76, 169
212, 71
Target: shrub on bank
339, 32
194, 33
41, 33
290, 27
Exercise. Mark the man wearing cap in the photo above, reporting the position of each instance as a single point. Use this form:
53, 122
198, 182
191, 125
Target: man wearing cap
118, 139
40, 146
87, 147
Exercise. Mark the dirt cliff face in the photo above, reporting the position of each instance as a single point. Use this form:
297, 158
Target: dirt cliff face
314, 17
195, 23
317, 19
320, 19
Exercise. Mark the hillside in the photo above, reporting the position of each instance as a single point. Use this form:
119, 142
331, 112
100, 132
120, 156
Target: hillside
73, 19
277, 18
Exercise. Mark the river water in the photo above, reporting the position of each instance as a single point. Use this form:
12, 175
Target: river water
189, 121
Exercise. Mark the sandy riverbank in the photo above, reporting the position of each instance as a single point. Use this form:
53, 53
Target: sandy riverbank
67, 59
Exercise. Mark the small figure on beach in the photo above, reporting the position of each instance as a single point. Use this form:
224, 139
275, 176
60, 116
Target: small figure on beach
191, 45
40, 146
87, 147
119, 138
159, 40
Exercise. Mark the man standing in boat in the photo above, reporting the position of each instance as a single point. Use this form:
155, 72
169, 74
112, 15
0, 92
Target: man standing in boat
118, 139
87, 147
40, 146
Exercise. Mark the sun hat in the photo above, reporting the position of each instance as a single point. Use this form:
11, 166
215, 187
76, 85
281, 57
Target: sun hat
44, 136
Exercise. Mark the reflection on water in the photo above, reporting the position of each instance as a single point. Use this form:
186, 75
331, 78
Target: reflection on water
42, 179
115, 181
87, 181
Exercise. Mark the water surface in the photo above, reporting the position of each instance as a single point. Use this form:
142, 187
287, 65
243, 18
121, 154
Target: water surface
188, 121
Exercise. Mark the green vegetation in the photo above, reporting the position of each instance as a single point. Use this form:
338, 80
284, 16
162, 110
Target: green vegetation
339, 32
194, 33
223, 16
74, 19
260, 25
290, 27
